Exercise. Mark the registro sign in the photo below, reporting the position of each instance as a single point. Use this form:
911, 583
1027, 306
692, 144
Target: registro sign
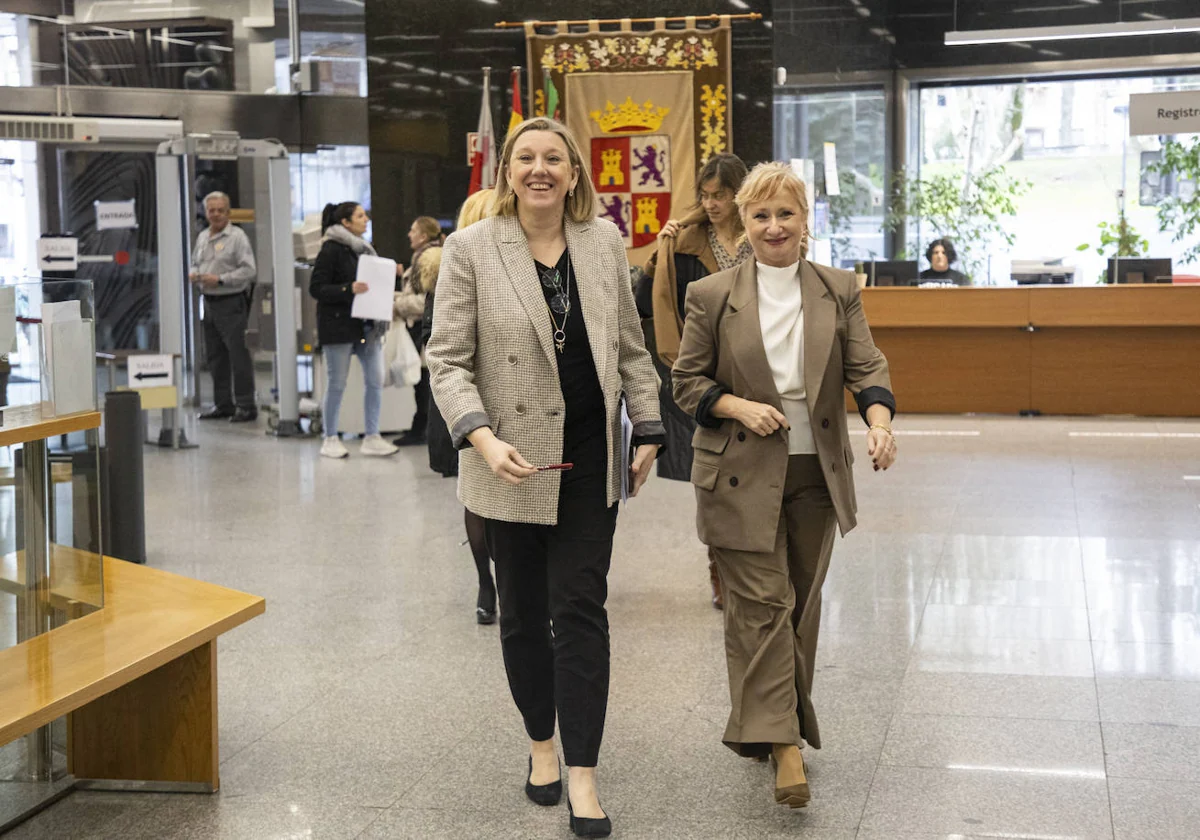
151, 371
1176, 112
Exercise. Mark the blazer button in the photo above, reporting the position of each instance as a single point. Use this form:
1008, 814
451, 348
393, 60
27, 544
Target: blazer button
825, 423
512, 360
835, 466
733, 482
520, 408
616, 344
741, 436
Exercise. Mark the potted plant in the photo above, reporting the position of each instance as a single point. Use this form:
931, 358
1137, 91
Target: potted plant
1121, 234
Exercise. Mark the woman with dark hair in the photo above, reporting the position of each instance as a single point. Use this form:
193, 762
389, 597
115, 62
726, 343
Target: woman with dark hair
705, 242
941, 256
424, 235
341, 336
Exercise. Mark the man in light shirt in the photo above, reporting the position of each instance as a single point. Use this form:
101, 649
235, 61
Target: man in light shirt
223, 267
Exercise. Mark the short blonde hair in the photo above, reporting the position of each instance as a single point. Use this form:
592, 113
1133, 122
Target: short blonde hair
477, 207
764, 182
581, 206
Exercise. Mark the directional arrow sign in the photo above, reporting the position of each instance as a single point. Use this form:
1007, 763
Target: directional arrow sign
151, 371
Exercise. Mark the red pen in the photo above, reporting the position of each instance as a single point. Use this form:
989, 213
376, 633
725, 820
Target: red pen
556, 467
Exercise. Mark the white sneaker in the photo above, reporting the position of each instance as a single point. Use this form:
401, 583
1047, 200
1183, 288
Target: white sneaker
331, 447
375, 445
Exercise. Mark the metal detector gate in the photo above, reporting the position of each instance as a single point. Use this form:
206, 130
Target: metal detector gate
174, 257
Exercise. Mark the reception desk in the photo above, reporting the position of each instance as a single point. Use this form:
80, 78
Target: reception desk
1045, 349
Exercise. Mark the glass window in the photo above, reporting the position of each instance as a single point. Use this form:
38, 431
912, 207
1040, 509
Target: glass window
331, 174
1069, 139
855, 122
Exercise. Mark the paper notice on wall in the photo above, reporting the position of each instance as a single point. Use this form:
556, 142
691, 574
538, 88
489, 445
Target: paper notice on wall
116, 215
8, 319
375, 304
832, 185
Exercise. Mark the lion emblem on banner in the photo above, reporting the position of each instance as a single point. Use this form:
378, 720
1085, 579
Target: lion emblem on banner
633, 177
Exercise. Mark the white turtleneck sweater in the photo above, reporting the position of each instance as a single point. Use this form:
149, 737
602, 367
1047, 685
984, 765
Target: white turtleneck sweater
781, 318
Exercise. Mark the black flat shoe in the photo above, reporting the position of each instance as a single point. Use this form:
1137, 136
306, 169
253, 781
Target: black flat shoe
244, 415
589, 826
483, 616
545, 795
409, 438
216, 413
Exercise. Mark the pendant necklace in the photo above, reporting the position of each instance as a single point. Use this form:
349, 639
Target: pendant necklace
559, 303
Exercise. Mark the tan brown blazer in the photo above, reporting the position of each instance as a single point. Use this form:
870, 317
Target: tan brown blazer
492, 360
738, 475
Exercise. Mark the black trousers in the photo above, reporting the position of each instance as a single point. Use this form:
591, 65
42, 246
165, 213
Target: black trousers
421, 391
229, 361
552, 581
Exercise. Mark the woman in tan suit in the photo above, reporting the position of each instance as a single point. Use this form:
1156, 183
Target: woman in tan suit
767, 350
535, 338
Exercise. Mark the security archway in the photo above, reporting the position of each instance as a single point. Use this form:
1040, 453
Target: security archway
174, 255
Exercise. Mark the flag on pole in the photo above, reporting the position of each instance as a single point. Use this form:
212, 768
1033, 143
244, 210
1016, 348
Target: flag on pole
551, 98
483, 163
517, 117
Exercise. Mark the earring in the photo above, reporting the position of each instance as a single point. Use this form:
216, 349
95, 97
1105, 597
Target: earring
571, 192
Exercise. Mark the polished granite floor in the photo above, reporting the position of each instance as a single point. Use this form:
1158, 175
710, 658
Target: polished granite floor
1010, 649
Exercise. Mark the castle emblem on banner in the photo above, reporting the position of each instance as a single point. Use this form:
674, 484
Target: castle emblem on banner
633, 174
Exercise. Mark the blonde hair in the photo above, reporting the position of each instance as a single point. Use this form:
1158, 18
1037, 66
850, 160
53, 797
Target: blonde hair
764, 182
477, 207
428, 226
580, 206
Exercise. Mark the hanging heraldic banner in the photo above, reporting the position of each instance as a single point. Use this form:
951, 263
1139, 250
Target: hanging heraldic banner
648, 108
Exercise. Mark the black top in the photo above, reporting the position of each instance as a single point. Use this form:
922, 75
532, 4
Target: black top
332, 278
585, 441
947, 276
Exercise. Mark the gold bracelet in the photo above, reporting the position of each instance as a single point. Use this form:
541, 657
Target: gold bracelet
883, 427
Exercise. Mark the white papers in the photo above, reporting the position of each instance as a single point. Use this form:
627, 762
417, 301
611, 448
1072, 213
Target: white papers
832, 185
626, 451
380, 276
8, 319
68, 360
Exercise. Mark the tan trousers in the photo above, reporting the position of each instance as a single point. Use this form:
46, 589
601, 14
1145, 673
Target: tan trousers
772, 616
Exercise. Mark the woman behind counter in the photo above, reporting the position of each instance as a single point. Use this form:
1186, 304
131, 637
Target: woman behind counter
767, 350
535, 337
707, 241
941, 256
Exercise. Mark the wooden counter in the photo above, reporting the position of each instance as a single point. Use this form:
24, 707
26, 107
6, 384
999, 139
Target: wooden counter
1048, 349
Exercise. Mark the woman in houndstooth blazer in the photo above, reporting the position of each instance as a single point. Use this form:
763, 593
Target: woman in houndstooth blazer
535, 339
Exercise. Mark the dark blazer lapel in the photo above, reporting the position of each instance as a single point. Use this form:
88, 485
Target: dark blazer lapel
744, 333
522, 274
820, 328
587, 263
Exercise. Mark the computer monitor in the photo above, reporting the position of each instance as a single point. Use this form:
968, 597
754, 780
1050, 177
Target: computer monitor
1139, 270
892, 273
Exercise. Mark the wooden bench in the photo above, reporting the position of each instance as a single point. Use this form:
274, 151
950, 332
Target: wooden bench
138, 679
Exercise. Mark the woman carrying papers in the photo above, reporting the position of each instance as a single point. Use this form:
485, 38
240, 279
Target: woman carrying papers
340, 335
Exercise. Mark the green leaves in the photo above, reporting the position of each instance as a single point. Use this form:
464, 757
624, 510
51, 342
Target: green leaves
1180, 210
970, 211
1128, 242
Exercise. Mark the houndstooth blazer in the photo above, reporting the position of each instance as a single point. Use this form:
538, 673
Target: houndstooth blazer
492, 360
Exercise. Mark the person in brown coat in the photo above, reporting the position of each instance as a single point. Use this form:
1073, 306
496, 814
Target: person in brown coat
768, 350
705, 242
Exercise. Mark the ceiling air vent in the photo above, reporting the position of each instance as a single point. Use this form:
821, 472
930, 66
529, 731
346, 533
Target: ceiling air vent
48, 129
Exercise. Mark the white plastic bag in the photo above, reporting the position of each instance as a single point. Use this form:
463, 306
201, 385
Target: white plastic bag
404, 362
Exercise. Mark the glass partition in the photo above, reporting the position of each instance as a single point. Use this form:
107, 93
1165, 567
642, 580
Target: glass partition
855, 122
1066, 145
50, 515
